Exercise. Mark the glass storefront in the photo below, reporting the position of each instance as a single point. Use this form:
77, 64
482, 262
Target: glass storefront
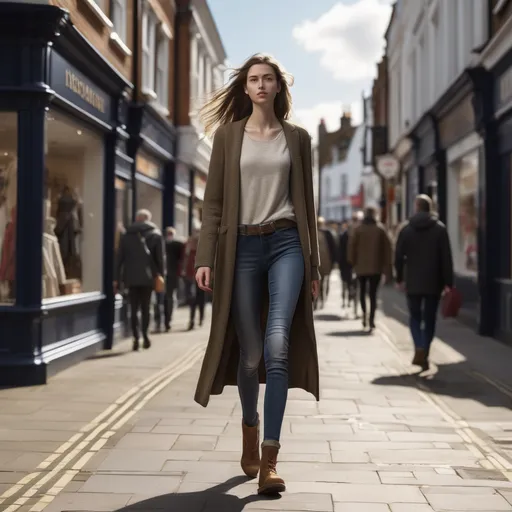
149, 196
123, 208
73, 209
181, 209
8, 203
463, 212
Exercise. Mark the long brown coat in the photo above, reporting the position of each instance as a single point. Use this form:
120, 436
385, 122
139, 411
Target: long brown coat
369, 249
217, 250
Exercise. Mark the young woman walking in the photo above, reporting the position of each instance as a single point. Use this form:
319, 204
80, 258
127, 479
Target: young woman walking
258, 253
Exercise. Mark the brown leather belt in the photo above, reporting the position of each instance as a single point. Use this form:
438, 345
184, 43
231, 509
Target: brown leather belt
267, 228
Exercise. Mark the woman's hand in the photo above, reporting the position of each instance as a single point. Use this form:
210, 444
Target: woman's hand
203, 278
315, 289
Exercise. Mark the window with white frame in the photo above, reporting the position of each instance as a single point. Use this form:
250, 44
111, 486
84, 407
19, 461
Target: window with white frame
102, 4
149, 27
118, 17
162, 66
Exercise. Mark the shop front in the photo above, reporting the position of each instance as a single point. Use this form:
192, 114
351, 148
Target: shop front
407, 182
463, 146
152, 148
428, 175
61, 136
499, 195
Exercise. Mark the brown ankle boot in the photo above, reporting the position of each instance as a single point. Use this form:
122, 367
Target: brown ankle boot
270, 482
250, 461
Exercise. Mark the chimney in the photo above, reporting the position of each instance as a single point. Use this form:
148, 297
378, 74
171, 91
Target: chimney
346, 119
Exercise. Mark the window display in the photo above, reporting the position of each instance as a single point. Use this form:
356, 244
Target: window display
150, 198
73, 216
123, 209
8, 200
463, 220
181, 215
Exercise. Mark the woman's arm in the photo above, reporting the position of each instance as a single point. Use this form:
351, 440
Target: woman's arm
310, 203
212, 205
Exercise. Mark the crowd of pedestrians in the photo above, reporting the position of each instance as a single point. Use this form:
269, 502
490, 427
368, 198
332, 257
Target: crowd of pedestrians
422, 267
149, 269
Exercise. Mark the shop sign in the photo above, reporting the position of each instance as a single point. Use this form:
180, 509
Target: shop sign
458, 123
75, 87
148, 167
388, 166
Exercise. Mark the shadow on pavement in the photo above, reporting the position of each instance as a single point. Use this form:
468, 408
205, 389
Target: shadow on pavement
213, 499
108, 355
346, 334
323, 317
449, 380
482, 355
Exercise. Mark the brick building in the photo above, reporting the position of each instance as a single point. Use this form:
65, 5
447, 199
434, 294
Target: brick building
200, 59
86, 138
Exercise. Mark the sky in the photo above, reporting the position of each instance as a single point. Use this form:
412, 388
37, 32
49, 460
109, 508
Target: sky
331, 47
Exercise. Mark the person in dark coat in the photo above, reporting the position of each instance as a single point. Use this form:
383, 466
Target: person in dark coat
424, 270
173, 257
140, 260
369, 251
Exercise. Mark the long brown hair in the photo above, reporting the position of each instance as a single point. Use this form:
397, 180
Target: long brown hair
231, 103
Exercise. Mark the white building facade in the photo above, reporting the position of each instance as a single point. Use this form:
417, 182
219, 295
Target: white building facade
342, 180
433, 53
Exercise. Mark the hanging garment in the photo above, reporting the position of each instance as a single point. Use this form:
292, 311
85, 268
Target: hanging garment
67, 230
8, 257
54, 273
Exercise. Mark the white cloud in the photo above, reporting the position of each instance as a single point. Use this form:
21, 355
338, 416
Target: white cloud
348, 37
331, 112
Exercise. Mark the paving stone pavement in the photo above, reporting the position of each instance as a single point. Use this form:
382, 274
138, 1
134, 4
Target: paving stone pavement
378, 441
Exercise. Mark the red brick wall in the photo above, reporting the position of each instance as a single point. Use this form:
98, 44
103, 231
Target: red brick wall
99, 34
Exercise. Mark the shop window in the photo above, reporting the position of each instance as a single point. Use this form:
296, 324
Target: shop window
73, 209
8, 204
463, 213
162, 67
149, 24
119, 17
150, 198
123, 209
181, 213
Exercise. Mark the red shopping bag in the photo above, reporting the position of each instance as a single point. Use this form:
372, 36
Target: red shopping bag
451, 303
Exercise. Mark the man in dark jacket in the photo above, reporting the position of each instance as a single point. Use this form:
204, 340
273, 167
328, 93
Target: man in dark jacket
173, 256
140, 260
424, 268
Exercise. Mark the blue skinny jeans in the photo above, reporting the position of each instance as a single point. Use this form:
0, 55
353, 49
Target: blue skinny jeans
277, 257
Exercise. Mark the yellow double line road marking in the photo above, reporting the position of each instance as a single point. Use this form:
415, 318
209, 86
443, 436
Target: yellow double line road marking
488, 458
93, 436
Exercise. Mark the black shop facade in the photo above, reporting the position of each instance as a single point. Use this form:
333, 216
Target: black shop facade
69, 175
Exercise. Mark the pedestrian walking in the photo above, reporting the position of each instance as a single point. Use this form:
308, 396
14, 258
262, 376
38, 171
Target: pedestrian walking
370, 255
173, 256
348, 282
140, 268
325, 245
424, 270
259, 229
195, 295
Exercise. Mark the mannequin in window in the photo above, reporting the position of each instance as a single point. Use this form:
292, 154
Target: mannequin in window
54, 274
68, 228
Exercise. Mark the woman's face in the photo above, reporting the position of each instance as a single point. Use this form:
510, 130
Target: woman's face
262, 85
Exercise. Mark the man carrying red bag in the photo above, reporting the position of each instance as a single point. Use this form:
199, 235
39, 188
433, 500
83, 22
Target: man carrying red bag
424, 270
